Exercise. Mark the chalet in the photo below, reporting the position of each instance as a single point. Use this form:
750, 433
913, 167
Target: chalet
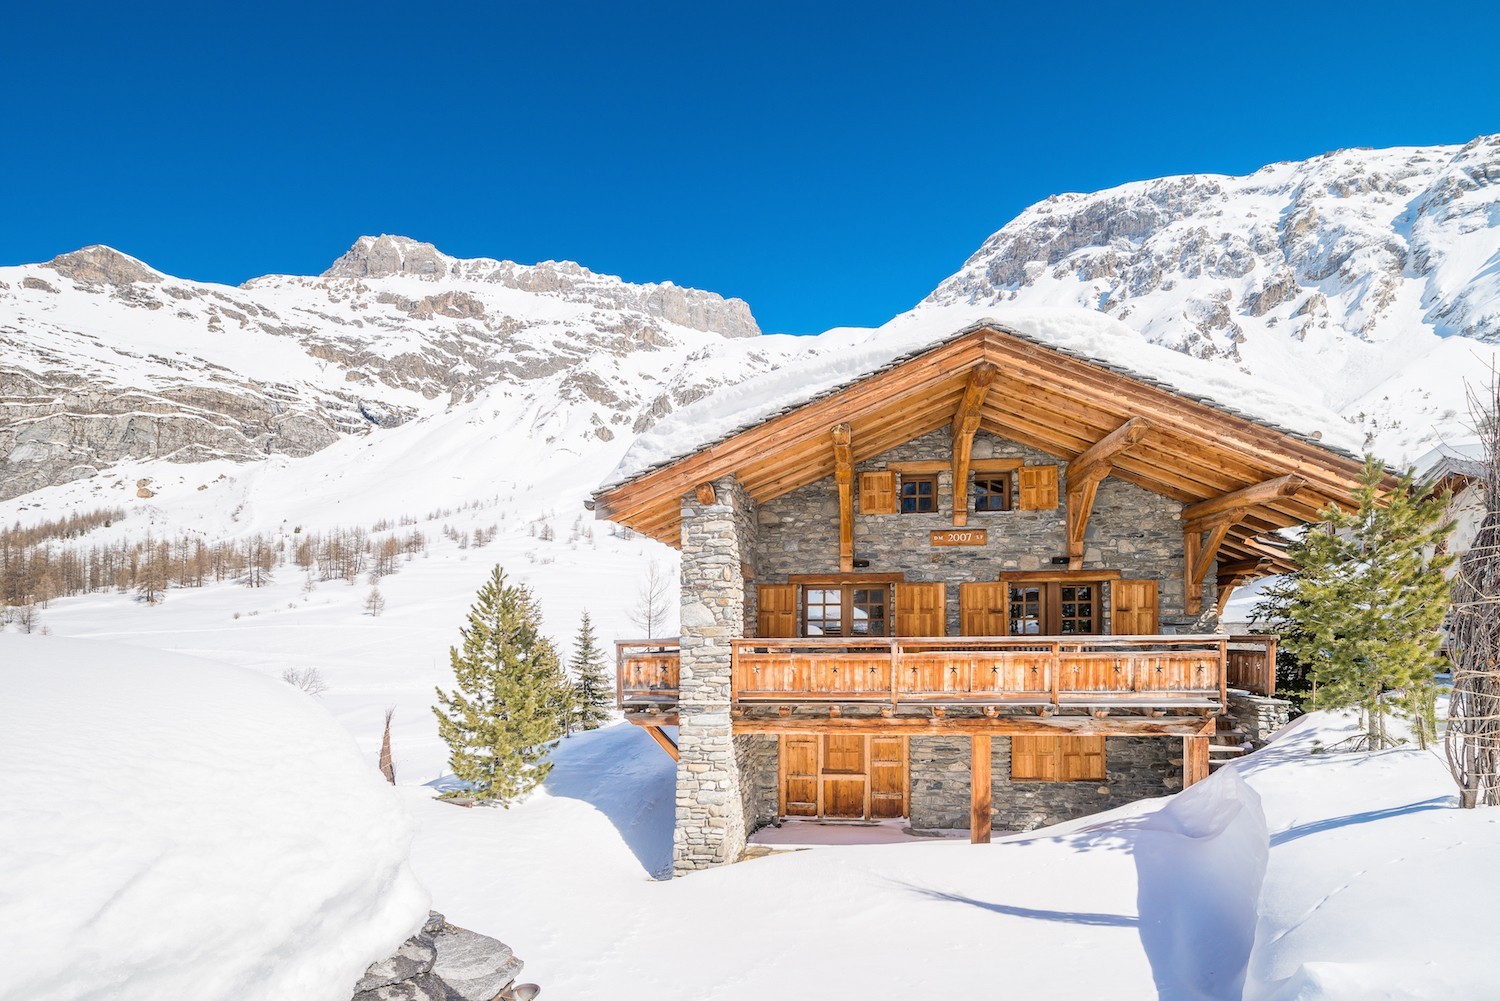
972, 585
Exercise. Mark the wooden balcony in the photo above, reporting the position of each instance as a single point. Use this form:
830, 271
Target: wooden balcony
1188, 672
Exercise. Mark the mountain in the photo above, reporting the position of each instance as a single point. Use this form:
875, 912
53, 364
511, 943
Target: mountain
104, 360
1368, 279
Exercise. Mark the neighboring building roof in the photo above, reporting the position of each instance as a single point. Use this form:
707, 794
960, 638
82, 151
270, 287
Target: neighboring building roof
1060, 388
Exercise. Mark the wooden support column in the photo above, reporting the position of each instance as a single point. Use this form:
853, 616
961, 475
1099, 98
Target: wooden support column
1194, 760
667, 743
979, 789
1085, 473
843, 474
965, 424
1206, 523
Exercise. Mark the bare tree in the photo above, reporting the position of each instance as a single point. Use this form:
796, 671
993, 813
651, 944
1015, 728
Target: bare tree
27, 617
387, 761
309, 679
375, 603
653, 601
1473, 739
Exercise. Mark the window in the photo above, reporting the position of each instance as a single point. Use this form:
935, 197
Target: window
1055, 608
1057, 759
992, 493
918, 494
845, 611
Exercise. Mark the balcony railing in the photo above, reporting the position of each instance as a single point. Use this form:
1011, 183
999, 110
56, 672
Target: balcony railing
1155, 671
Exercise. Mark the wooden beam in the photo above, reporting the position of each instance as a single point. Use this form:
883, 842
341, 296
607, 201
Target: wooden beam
1248, 497
1194, 760
843, 472
706, 494
1003, 726
667, 743
1084, 474
1095, 461
965, 423
979, 789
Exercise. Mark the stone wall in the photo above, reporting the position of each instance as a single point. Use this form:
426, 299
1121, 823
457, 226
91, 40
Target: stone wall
757, 758
711, 823
1134, 768
1258, 716
1132, 530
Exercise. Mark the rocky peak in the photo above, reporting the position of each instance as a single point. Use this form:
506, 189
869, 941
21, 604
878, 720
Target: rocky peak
101, 265
383, 256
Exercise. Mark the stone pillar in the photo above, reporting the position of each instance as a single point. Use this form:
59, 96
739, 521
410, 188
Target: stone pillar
716, 538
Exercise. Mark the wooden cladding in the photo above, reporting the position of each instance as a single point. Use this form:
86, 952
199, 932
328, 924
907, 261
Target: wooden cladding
921, 610
1057, 759
1134, 608
877, 492
776, 610
1038, 488
844, 776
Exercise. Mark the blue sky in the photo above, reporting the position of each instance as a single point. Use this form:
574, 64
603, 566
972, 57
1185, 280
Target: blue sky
830, 164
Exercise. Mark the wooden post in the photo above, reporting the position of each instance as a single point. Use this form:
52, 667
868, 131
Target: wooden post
1194, 760
979, 789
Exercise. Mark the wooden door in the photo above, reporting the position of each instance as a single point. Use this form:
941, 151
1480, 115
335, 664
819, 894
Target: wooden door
776, 610
799, 775
982, 608
845, 775
887, 778
1134, 608
921, 610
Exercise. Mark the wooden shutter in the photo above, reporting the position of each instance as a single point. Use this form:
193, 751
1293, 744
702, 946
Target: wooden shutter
845, 774
799, 775
776, 610
982, 608
1134, 611
877, 492
1038, 488
921, 610
887, 777
1057, 759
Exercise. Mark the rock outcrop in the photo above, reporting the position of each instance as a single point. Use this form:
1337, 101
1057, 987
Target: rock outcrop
446, 963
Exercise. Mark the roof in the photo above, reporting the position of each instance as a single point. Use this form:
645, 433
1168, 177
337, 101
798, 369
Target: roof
1051, 393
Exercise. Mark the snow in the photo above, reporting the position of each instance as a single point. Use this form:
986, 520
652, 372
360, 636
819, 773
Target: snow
847, 355
176, 828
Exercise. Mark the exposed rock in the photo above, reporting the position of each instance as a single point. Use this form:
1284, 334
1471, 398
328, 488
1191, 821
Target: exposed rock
474, 965
383, 256
445, 963
414, 958
100, 265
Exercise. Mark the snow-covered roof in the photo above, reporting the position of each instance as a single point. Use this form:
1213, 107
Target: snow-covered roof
842, 357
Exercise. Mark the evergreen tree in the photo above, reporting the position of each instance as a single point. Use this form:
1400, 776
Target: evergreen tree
591, 688
1363, 608
502, 719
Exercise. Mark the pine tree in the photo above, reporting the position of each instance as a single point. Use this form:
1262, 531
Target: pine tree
591, 688
502, 719
1362, 610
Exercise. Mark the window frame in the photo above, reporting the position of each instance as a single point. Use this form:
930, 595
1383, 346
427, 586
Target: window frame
915, 479
847, 606
1005, 495
1049, 603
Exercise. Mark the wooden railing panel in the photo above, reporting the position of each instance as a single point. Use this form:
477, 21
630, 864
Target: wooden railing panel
1251, 664
776, 675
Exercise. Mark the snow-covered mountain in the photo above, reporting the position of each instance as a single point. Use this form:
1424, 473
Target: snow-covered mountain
1367, 279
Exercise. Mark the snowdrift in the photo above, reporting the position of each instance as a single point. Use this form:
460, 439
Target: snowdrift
175, 828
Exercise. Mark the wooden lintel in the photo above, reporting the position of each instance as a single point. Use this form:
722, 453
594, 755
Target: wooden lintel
836, 579
979, 789
1248, 497
1004, 726
843, 473
965, 423
1084, 474
706, 493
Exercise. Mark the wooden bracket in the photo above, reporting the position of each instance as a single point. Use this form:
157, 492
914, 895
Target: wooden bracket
843, 473
660, 736
1085, 473
965, 424
1207, 523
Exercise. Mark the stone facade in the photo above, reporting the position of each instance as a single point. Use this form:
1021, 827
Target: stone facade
757, 758
1132, 530
1134, 768
1257, 715
716, 539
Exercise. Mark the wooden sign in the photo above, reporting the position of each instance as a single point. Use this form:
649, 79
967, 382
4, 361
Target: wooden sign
960, 537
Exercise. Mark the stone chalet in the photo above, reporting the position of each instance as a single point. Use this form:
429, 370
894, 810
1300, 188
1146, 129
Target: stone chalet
974, 587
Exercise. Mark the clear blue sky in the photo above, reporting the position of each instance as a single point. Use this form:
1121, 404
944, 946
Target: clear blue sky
828, 163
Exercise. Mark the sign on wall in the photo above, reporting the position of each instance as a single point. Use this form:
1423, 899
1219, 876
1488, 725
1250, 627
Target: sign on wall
960, 537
